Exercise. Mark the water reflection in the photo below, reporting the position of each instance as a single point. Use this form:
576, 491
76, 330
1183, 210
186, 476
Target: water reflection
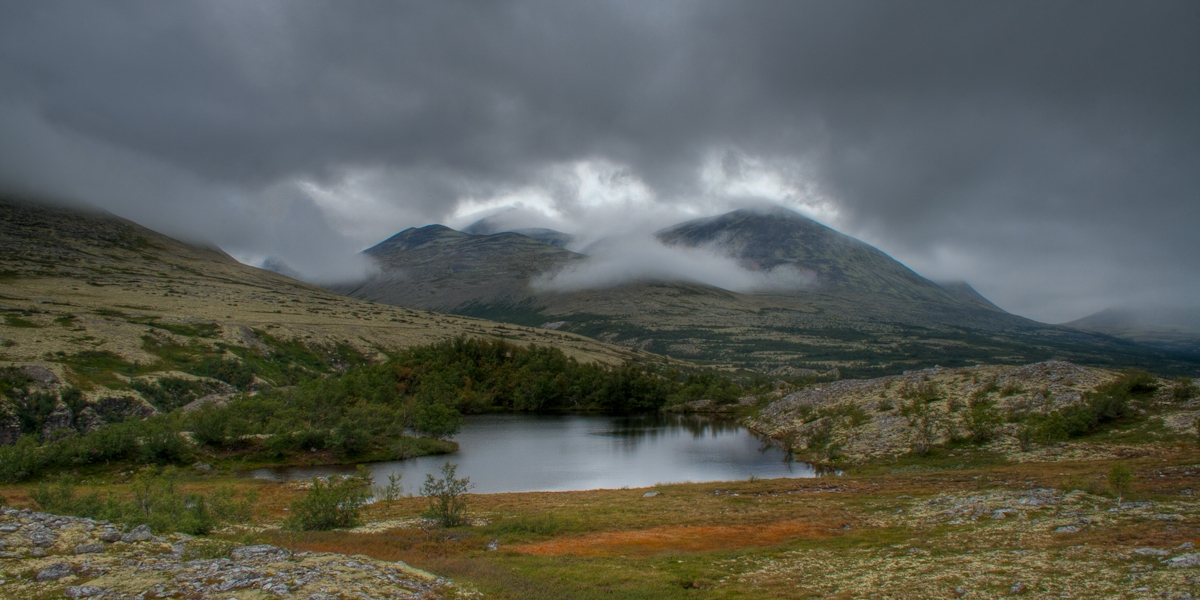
516, 453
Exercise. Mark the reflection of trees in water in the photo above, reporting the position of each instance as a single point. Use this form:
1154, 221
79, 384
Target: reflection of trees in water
631, 430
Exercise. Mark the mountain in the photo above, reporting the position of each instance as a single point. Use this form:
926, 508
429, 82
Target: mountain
95, 298
837, 264
493, 224
438, 268
1170, 329
963, 292
843, 303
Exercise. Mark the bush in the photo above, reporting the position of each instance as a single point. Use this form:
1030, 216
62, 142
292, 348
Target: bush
446, 503
329, 505
982, 422
1184, 390
157, 501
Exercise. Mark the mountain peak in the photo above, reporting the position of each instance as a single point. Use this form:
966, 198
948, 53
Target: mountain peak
416, 237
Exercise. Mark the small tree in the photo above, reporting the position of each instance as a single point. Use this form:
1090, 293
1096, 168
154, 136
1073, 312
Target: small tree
1120, 478
447, 505
328, 505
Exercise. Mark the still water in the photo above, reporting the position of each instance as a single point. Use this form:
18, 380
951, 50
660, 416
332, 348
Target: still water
524, 453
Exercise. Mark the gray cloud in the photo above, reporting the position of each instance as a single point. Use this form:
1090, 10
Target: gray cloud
1045, 152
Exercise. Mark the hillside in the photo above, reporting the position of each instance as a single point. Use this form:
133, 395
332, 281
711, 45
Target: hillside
843, 303
1176, 330
88, 295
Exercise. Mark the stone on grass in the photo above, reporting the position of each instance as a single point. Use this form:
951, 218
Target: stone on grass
140, 533
54, 572
649, 494
1185, 561
89, 549
259, 551
82, 591
1067, 529
1151, 552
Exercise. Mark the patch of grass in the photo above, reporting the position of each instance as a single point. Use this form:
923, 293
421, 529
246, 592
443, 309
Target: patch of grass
201, 330
15, 321
99, 367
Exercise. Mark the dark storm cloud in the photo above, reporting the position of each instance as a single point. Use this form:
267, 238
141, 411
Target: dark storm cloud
1045, 151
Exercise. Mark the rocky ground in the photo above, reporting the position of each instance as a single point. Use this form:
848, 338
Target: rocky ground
882, 431
49, 556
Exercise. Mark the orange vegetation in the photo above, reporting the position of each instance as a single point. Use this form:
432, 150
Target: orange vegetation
679, 539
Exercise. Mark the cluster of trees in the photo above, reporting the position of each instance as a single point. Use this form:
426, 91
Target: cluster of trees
365, 412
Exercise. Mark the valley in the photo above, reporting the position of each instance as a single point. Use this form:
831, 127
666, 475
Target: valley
140, 371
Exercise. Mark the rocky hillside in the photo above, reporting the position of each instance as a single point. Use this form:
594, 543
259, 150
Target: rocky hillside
1008, 411
50, 556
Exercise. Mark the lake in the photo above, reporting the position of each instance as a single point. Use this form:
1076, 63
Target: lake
524, 453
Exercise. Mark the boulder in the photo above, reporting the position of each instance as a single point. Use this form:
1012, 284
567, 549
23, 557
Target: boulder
54, 572
57, 423
141, 533
87, 420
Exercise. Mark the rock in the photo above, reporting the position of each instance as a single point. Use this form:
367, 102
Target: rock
58, 423
202, 466
259, 551
10, 427
82, 591
215, 400
89, 549
41, 375
88, 421
37, 553
110, 536
1151, 552
41, 537
649, 494
1185, 546
140, 533
1067, 529
54, 572
1183, 562
1017, 588
278, 589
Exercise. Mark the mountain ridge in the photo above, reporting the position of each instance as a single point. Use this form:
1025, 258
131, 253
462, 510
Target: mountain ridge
866, 311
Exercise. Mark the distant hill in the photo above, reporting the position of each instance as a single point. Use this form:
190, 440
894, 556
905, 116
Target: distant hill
843, 303
96, 298
491, 225
1171, 329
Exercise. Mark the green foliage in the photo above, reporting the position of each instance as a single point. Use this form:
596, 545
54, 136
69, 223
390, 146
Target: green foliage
163, 444
169, 393
447, 506
1109, 403
1119, 479
1184, 389
982, 422
15, 321
157, 501
1011, 389
349, 438
329, 505
204, 330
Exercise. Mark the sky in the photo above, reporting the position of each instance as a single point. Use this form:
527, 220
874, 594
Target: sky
1048, 153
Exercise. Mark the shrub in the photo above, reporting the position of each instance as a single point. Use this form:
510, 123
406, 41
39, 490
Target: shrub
349, 438
1119, 479
982, 422
447, 506
157, 502
1184, 390
329, 505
